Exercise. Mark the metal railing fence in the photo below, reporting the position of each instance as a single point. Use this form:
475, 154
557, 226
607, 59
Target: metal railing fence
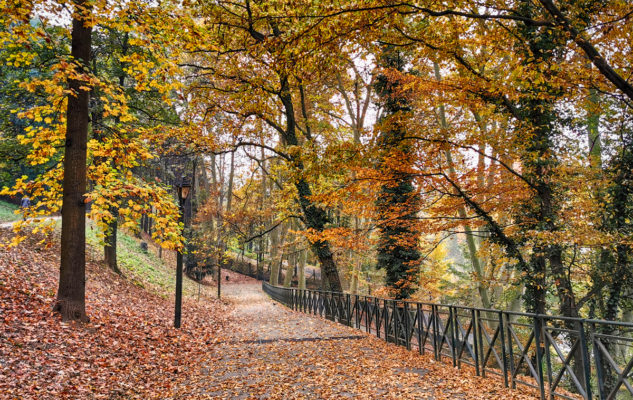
560, 357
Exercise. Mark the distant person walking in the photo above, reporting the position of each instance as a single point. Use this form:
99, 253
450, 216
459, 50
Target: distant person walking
24, 204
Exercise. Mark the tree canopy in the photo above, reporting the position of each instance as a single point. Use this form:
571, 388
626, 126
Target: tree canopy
478, 153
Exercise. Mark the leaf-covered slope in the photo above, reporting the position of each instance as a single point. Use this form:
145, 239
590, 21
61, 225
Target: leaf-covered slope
127, 350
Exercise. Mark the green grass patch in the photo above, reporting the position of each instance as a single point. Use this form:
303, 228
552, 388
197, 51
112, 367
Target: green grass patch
7, 212
144, 269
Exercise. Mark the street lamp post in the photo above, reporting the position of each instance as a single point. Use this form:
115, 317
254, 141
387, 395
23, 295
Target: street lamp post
183, 192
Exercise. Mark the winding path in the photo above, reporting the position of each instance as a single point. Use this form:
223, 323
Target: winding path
276, 353
9, 225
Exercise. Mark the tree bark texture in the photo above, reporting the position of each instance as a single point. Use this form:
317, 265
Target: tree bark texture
110, 239
314, 217
71, 294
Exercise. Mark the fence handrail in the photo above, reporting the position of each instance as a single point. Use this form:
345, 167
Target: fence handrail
561, 357
487, 310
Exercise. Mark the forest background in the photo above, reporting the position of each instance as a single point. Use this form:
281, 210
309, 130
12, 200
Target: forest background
470, 152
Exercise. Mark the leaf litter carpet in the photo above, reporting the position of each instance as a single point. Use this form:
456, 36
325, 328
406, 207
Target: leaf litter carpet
277, 353
244, 347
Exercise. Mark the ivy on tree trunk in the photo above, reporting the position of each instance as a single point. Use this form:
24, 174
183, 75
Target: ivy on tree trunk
398, 203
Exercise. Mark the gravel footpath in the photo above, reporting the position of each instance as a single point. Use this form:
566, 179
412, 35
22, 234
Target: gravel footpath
276, 353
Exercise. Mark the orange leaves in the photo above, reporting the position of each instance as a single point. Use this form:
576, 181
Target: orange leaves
127, 349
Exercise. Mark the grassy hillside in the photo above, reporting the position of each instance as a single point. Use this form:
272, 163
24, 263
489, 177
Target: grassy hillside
7, 212
143, 269
128, 349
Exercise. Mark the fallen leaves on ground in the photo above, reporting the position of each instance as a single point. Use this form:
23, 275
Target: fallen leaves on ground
276, 353
128, 349
252, 349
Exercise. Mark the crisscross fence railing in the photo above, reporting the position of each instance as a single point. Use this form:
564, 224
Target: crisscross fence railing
568, 358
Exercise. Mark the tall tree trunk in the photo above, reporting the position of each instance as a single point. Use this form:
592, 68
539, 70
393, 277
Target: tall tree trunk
229, 190
274, 249
353, 283
356, 262
203, 193
315, 216
357, 116
99, 133
461, 212
302, 269
219, 240
71, 294
110, 241
290, 268
277, 262
398, 202
261, 244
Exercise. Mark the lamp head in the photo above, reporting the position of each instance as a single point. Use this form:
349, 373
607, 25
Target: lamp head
184, 188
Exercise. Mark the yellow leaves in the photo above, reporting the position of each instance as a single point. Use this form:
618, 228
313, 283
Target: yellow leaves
16, 240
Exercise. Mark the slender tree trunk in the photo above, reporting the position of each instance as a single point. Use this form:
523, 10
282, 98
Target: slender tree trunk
356, 263
110, 240
624, 351
353, 284
277, 262
290, 268
111, 231
261, 244
484, 294
203, 194
71, 294
357, 116
274, 249
302, 269
229, 190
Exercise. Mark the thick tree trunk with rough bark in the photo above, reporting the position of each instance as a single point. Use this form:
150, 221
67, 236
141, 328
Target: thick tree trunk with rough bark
314, 216
71, 294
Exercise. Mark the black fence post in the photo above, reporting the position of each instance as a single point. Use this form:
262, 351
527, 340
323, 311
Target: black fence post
386, 322
548, 359
395, 316
435, 316
349, 309
451, 321
418, 310
480, 338
510, 350
586, 362
302, 300
385, 319
357, 316
504, 358
367, 317
598, 361
377, 316
539, 354
407, 323
473, 321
